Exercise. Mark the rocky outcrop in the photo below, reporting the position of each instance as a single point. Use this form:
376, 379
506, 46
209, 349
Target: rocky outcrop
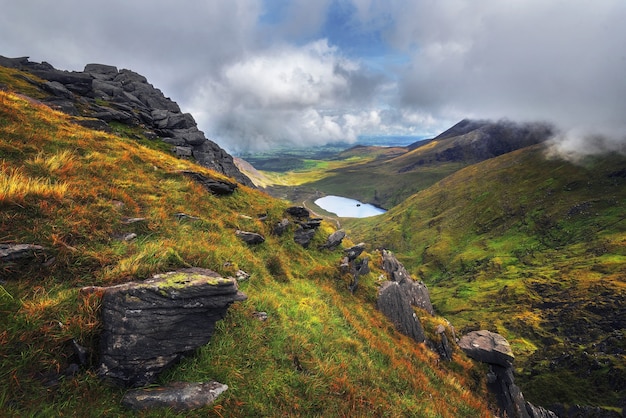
150, 325
416, 291
307, 226
213, 186
393, 302
110, 95
334, 240
493, 349
179, 396
250, 238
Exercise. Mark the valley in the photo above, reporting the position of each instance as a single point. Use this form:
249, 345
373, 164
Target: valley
517, 241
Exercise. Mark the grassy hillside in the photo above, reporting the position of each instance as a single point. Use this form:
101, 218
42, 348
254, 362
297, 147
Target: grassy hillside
322, 352
534, 248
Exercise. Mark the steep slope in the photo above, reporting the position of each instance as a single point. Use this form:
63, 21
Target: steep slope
387, 182
115, 99
534, 248
108, 208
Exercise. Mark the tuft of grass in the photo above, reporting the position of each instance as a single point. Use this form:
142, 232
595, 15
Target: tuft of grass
16, 187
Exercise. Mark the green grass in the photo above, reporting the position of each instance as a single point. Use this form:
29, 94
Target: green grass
322, 352
532, 248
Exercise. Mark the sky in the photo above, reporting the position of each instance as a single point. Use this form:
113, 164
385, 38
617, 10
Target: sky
258, 74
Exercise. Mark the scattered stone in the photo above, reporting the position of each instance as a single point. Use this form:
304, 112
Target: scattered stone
312, 223
303, 236
250, 238
126, 236
179, 396
241, 276
394, 304
148, 326
298, 212
487, 347
217, 187
184, 217
281, 227
360, 268
14, 252
334, 240
128, 221
261, 316
353, 252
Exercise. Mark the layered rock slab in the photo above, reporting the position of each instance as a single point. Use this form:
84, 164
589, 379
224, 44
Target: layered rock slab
150, 325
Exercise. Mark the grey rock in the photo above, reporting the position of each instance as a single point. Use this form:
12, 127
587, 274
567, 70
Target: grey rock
281, 227
508, 395
487, 347
101, 69
107, 89
14, 252
217, 187
95, 124
416, 291
353, 252
261, 316
304, 236
250, 238
334, 240
182, 152
179, 396
394, 304
58, 89
148, 326
540, 412
298, 212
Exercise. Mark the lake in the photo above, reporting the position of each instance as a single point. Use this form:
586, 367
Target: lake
348, 208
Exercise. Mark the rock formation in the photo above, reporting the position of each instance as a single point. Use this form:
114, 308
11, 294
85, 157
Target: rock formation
393, 302
179, 396
416, 291
494, 350
148, 326
106, 94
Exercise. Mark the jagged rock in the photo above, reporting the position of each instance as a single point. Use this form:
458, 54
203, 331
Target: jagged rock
91, 123
394, 304
353, 252
508, 395
261, 316
304, 236
281, 227
14, 252
179, 396
416, 291
487, 347
312, 223
241, 276
217, 187
582, 411
298, 212
444, 348
150, 325
334, 240
250, 238
131, 100
540, 412
359, 269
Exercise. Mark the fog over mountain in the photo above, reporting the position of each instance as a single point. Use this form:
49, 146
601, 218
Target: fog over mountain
256, 73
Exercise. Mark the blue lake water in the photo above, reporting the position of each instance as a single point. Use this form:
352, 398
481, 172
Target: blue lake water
348, 208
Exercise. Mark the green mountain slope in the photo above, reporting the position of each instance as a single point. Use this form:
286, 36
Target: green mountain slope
322, 352
392, 177
534, 248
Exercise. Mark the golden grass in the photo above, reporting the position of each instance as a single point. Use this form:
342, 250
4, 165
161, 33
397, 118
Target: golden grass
16, 186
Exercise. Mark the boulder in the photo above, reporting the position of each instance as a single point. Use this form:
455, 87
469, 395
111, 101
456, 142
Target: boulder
353, 252
298, 212
250, 238
334, 240
148, 326
281, 227
416, 291
15, 252
394, 304
214, 186
304, 236
179, 396
487, 347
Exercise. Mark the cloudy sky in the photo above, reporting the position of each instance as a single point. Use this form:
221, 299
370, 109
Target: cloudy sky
259, 73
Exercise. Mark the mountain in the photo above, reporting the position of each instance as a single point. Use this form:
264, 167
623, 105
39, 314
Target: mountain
123, 100
426, 162
82, 209
532, 247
